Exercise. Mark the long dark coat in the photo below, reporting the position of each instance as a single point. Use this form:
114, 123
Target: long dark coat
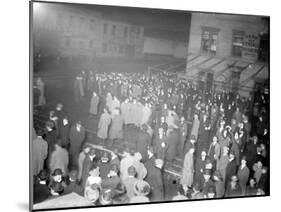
160, 152
85, 170
76, 139
143, 141
173, 141
251, 153
231, 169
155, 179
64, 134
243, 176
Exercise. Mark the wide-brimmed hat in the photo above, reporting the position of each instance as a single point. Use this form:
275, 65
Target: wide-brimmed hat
141, 188
57, 172
159, 163
106, 197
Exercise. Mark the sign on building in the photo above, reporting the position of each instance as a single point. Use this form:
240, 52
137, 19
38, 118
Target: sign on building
250, 50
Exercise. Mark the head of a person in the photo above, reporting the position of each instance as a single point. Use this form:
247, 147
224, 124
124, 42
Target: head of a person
211, 192
234, 179
182, 119
57, 175
207, 174
65, 121
73, 175
43, 176
231, 155
252, 182
264, 170
114, 169
138, 156
92, 152
203, 155
215, 139
259, 164
132, 171
94, 171
86, 149
192, 139
59, 107
105, 157
243, 161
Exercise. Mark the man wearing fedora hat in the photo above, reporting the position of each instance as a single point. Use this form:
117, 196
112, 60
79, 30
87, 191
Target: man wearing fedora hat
89, 161
41, 191
206, 182
233, 188
77, 136
112, 179
155, 176
231, 168
243, 174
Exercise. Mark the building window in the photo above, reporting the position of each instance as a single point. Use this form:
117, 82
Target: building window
237, 42
92, 24
82, 19
81, 44
104, 47
105, 28
138, 32
90, 44
209, 41
113, 30
67, 41
71, 20
125, 32
121, 49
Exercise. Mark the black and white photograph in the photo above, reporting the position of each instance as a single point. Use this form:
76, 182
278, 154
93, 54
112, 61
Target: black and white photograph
136, 105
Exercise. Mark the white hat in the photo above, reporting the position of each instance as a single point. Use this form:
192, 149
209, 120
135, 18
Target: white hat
94, 180
159, 163
138, 156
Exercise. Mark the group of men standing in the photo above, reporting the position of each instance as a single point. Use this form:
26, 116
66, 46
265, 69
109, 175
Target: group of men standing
222, 138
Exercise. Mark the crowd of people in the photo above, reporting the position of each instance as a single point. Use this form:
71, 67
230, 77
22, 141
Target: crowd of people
221, 137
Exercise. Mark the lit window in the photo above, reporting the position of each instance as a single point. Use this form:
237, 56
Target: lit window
237, 42
209, 41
